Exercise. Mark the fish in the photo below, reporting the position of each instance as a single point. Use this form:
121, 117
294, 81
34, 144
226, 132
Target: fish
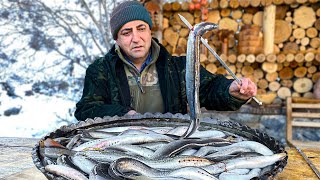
230, 156
153, 145
49, 142
100, 172
73, 141
100, 144
254, 162
52, 149
137, 131
135, 150
192, 173
253, 145
105, 156
163, 163
228, 151
193, 72
84, 163
176, 162
66, 172
120, 129
124, 166
95, 134
55, 152
188, 152
234, 176
244, 162
177, 146
180, 130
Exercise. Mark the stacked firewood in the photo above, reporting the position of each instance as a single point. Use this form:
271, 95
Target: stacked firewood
277, 76
233, 4
290, 70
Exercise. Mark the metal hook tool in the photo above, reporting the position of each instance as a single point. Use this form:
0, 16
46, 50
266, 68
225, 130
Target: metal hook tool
314, 169
205, 43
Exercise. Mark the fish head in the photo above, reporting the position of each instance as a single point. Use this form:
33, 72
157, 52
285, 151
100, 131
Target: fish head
203, 27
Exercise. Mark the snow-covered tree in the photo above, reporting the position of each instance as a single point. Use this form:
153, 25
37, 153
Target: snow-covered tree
45, 39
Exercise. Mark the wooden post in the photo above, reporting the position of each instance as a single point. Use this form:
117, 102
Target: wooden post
289, 119
269, 17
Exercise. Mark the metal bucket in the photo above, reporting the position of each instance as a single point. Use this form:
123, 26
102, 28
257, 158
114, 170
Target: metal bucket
168, 119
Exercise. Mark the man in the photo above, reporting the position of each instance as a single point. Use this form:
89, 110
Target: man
139, 75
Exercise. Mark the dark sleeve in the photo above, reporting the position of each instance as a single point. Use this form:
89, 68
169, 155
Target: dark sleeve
214, 92
96, 100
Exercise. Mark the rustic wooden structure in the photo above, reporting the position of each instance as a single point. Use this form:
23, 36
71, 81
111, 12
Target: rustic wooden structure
302, 108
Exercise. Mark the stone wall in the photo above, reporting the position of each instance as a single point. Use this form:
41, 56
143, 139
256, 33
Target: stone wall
274, 125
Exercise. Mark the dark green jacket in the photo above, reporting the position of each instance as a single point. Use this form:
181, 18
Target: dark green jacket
106, 90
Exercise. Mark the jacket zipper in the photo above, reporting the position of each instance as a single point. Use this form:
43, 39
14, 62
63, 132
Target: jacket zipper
138, 80
139, 83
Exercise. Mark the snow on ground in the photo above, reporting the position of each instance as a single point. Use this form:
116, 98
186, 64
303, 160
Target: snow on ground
39, 115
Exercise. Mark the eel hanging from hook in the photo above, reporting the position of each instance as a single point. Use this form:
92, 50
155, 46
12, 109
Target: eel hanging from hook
193, 73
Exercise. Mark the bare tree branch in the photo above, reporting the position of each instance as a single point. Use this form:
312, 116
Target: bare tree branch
62, 34
101, 29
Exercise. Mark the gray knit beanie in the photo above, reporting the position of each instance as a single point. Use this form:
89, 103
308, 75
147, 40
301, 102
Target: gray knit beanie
126, 12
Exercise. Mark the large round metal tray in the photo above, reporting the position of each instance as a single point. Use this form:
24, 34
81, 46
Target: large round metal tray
167, 119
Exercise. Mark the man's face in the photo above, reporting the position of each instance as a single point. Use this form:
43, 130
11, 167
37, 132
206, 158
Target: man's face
134, 38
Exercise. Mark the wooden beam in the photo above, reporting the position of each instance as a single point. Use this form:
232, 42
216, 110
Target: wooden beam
289, 119
305, 115
269, 17
309, 106
306, 124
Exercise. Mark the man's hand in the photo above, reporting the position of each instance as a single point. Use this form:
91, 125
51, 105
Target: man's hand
245, 90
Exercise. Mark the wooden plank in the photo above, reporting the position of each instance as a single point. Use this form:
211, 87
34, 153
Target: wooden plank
304, 100
306, 115
306, 124
297, 167
306, 144
32, 173
301, 105
15, 159
289, 119
269, 28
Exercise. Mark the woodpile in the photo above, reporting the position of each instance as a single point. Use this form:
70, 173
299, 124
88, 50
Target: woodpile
284, 79
276, 43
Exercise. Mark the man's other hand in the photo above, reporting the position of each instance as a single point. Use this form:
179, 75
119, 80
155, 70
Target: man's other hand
243, 91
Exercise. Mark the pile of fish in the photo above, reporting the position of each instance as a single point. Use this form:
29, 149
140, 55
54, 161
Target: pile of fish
157, 152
